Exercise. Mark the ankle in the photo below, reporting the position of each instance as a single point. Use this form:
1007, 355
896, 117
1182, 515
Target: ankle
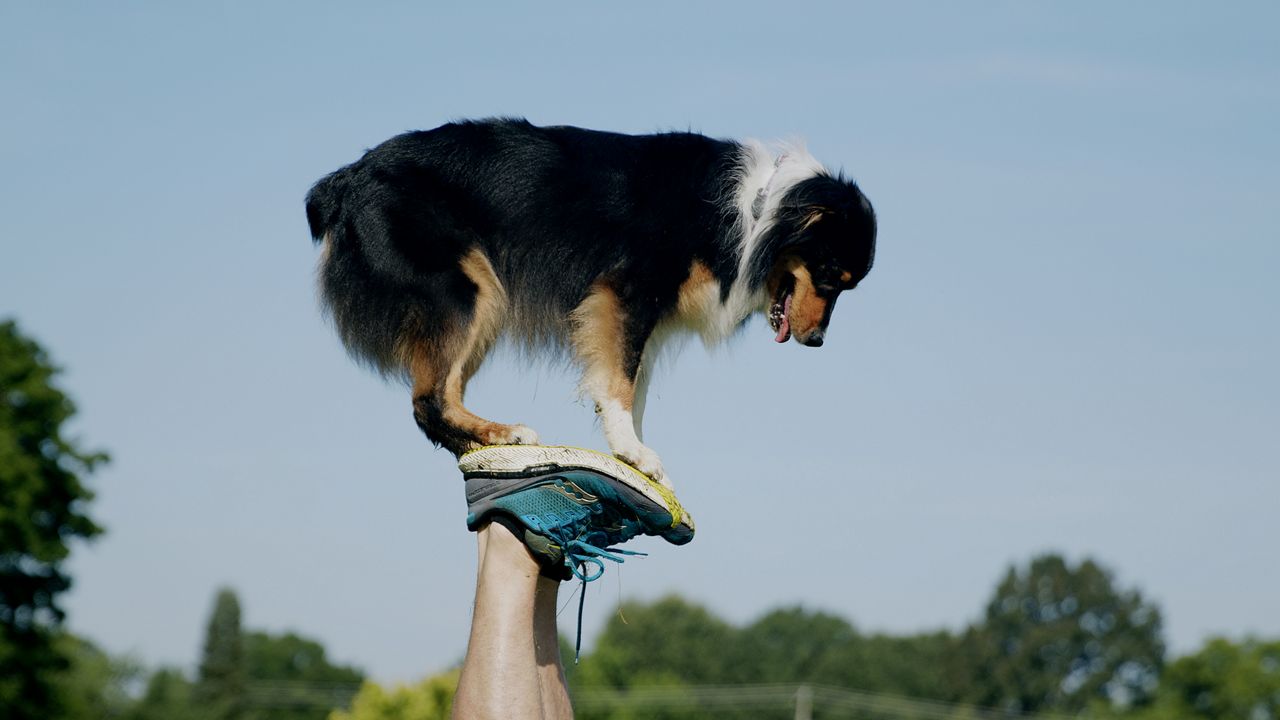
502, 549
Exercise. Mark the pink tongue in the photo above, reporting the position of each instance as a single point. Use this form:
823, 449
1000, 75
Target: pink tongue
784, 327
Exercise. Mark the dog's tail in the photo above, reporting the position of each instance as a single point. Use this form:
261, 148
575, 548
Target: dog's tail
367, 317
324, 202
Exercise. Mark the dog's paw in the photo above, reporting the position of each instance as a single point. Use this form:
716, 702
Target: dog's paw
522, 435
512, 435
644, 460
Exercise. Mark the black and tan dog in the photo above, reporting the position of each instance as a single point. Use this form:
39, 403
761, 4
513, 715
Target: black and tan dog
436, 243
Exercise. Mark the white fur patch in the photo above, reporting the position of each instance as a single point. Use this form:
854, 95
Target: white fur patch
762, 180
765, 179
620, 433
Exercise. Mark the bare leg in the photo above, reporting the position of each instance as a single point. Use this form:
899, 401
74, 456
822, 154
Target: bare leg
501, 674
555, 694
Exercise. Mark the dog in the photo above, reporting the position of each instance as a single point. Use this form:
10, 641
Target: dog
601, 245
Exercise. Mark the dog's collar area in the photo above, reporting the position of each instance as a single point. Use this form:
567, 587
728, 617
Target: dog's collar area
762, 195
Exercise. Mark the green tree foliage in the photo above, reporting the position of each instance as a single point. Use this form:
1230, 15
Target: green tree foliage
221, 682
800, 646
1223, 681
674, 643
94, 685
42, 509
291, 657
670, 637
431, 699
673, 638
168, 697
795, 645
1058, 637
249, 676
282, 677
290, 678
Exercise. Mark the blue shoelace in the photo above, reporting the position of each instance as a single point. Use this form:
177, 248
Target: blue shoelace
578, 554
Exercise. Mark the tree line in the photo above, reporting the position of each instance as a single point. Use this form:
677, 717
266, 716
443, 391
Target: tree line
1056, 639
1053, 638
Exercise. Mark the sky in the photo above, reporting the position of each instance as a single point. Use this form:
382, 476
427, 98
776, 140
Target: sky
1069, 341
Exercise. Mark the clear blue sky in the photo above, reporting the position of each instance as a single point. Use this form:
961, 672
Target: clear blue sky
1070, 340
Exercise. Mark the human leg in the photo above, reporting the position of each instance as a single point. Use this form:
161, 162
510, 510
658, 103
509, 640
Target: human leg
501, 674
534, 528
546, 641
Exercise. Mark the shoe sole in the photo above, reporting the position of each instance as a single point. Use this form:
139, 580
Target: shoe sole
524, 461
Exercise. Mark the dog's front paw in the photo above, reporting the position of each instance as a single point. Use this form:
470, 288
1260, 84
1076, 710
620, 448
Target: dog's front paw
644, 460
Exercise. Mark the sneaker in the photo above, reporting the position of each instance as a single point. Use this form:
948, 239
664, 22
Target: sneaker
570, 506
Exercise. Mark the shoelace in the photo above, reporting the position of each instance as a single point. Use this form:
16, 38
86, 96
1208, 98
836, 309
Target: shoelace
612, 528
577, 554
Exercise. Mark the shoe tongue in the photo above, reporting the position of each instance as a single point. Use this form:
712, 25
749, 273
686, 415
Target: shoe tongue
784, 327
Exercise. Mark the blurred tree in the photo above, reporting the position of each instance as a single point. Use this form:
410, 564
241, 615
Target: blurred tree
795, 645
1056, 637
168, 696
431, 699
672, 702
293, 657
669, 637
42, 509
293, 680
1222, 681
221, 682
94, 685
921, 666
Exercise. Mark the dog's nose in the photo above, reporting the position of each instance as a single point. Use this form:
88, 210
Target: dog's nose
814, 339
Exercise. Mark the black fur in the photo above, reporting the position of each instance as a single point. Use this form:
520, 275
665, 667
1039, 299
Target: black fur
557, 211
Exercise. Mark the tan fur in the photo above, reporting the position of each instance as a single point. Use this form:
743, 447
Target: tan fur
812, 218
325, 250
807, 308
698, 293
486, 320
597, 342
453, 364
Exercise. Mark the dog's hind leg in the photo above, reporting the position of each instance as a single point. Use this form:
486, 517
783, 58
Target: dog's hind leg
608, 343
440, 363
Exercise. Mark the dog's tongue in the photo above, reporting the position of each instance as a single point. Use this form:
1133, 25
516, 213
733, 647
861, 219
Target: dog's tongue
784, 327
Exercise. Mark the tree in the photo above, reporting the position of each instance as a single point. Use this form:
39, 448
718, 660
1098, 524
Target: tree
42, 512
1223, 681
293, 679
1056, 637
167, 697
221, 682
95, 685
431, 699
795, 645
670, 637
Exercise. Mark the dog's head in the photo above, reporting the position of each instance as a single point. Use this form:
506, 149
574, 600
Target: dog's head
821, 242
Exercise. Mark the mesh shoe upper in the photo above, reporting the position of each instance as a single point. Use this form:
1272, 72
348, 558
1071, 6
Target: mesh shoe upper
569, 520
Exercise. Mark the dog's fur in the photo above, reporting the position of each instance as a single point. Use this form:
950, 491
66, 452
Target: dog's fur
438, 242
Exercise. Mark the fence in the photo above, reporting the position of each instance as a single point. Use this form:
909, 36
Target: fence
799, 701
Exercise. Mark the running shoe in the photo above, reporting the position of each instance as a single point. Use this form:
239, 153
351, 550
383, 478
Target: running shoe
570, 506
